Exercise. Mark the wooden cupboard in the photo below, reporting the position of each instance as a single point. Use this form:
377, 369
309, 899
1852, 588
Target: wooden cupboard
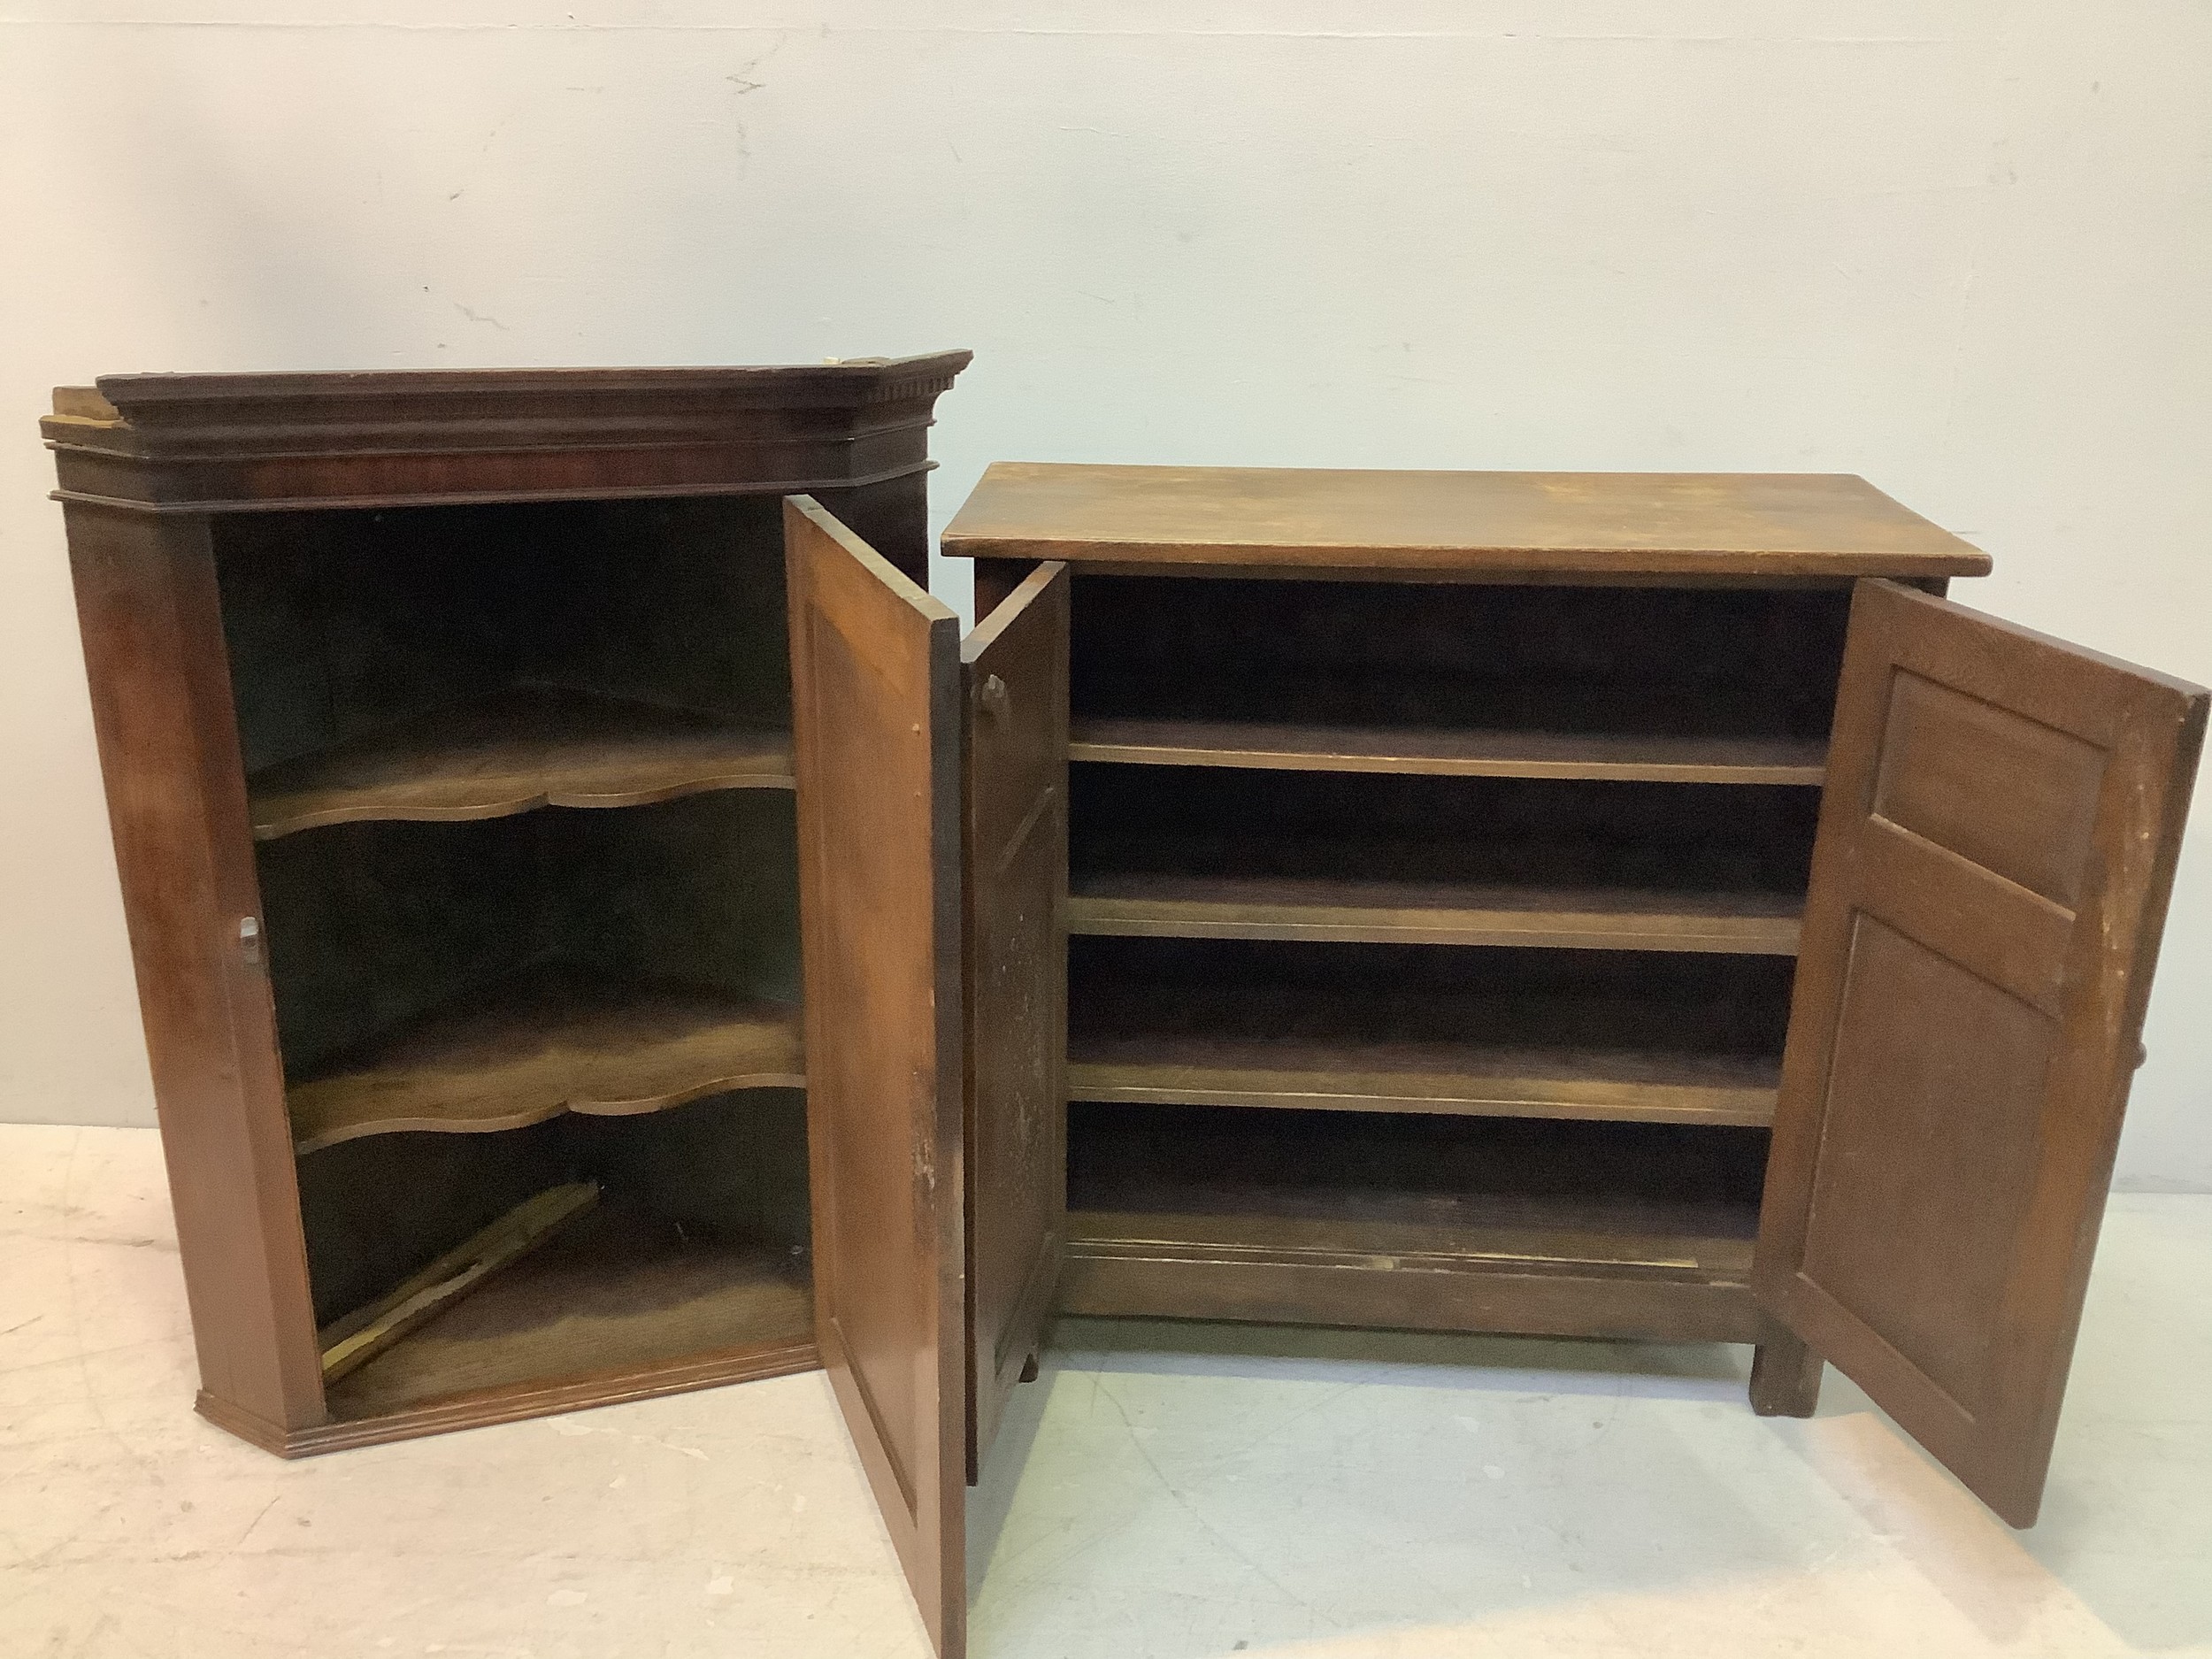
1608, 905
1640, 907
472, 1110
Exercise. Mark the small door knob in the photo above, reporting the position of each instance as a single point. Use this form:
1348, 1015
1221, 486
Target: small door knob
249, 940
997, 699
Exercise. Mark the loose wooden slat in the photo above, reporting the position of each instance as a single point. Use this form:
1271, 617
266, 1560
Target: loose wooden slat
352, 1342
526, 746
1654, 757
546, 1042
1312, 908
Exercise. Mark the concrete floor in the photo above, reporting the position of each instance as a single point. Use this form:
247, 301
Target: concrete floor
1162, 1493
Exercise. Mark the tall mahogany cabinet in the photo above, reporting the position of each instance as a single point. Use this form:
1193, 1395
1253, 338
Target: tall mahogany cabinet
1634, 907
475, 1104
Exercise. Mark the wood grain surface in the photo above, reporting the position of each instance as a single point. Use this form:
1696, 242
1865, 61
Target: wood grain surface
1570, 1229
877, 715
620, 1290
513, 751
1997, 843
1436, 913
545, 1041
1713, 757
1225, 1025
1768, 523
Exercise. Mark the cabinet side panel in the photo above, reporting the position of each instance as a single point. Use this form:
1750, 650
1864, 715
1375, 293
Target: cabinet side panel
148, 606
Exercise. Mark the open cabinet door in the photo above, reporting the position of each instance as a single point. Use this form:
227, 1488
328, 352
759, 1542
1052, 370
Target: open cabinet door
875, 714
1015, 668
1996, 843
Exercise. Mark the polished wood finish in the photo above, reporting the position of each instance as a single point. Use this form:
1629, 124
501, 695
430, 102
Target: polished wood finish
1655, 756
1997, 844
206, 443
353, 1341
330, 618
150, 611
549, 1040
1646, 523
1014, 674
512, 751
876, 712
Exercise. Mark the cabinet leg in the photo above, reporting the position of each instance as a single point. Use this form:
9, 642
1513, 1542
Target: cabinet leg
1784, 1377
1029, 1370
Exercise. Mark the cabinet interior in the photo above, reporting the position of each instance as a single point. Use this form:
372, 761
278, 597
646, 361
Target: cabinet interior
1398, 1182
1698, 683
486, 997
1449, 924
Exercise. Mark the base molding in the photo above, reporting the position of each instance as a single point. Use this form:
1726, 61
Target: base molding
509, 1405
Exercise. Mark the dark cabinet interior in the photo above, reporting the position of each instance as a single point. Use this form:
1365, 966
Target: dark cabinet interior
1431, 945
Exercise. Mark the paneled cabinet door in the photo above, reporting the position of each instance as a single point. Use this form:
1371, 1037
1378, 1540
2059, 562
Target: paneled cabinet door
1015, 667
881, 706
1996, 844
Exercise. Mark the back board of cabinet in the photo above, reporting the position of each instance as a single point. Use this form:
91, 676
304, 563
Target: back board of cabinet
445, 719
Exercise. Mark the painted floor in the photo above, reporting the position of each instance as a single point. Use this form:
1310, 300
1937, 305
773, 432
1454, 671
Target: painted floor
1160, 1493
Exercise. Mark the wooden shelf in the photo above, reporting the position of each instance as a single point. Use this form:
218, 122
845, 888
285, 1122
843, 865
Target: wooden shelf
618, 1290
526, 746
544, 1043
1505, 753
1149, 903
1379, 1050
1562, 1228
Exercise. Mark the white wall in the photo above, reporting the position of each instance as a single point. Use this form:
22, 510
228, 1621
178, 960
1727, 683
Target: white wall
1964, 248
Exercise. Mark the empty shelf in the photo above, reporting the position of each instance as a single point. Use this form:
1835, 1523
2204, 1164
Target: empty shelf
616, 1291
1658, 757
1317, 907
527, 747
1471, 1078
1531, 1227
546, 1042
1619, 1055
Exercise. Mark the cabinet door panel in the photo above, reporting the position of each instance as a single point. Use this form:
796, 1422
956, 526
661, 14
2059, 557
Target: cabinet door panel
875, 715
1997, 840
1016, 665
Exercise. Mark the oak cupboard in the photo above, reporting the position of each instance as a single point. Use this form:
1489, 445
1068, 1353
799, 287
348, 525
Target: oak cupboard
475, 1104
1610, 905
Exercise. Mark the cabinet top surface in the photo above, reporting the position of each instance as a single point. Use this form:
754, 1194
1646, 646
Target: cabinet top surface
1734, 524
